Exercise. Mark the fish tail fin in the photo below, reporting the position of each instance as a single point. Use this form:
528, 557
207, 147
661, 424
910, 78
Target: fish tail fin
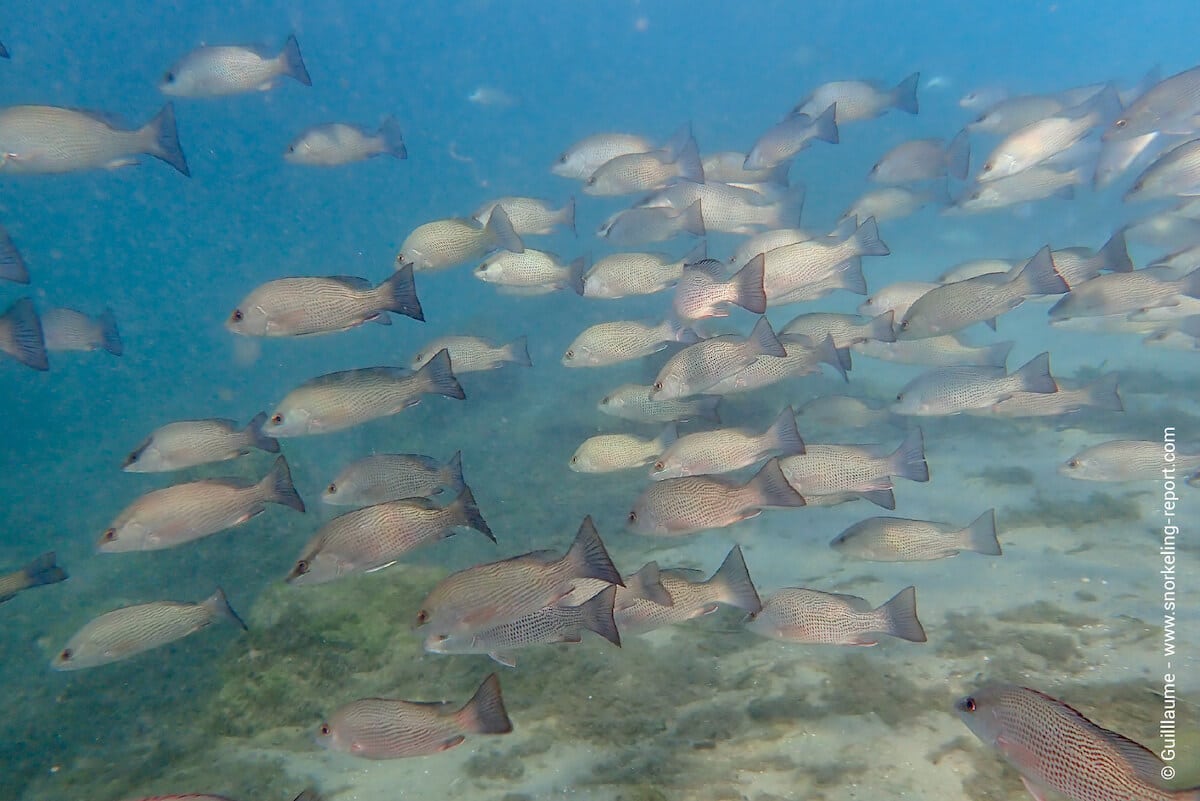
398, 293
1115, 254
733, 583
25, 341
589, 558
1103, 393
517, 351
1041, 277
904, 96
748, 285
908, 460
867, 241
293, 62
693, 219
501, 232
783, 436
110, 335
898, 617
440, 378
597, 615
566, 215
44, 570
688, 161
1035, 375
883, 327
393, 138
277, 486
996, 354
958, 156
647, 585
771, 487
980, 536
576, 271
668, 435
12, 265
465, 512
452, 472
485, 713
257, 438
824, 125
763, 341
161, 139
218, 607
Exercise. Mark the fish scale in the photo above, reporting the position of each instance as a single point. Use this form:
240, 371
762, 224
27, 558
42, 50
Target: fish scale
704, 364
633, 172
833, 469
618, 341
624, 274
390, 476
633, 402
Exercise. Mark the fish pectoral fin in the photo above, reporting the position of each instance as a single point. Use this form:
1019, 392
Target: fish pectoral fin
249, 516
707, 609
865, 640
124, 161
382, 319
382, 567
452, 742
504, 658
1037, 792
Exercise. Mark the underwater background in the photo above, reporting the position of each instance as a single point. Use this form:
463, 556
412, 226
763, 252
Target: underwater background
704, 710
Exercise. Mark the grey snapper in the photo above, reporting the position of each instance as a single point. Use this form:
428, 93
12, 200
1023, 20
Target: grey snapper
233, 69
187, 443
338, 143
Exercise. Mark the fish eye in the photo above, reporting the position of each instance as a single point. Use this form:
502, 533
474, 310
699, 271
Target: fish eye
591, 181
420, 357
422, 617
169, 77
900, 397
1121, 123
633, 517
904, 324
277, 419
132, 457
570, 354
291, 149
325, 730
400, 258
66, 655
302, 567
110, 535
657, 386
331, 489
604, 401
987, 167
237, 316
970, 705
1073, 463
658, 467
562, 159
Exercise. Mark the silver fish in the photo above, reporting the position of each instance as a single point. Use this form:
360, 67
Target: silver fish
733, 209
1128, 460
862, 100
187, 443
12, 265
1013, 113
607, 453
643, 225
897, 539
953, 390
845, 329
530, 215
584, 157
338, 143
40, 572
702, 365
728, 167
728, 449
782, 141
1037, 142
863, 469
233, 69
391, 476
895, 202
767, 241
842, 411
923, 160
634, 402
1077, 265
690, 595
68, 329
623, 274
944, 351
705, 291
794, 614
621, 340
795, 272
1121, 293
973, 268
442, 244
1100, 394
804, 356
1174, 173
472, 354
1171, 106
896, 298
1035, 183
642, 172
532, 272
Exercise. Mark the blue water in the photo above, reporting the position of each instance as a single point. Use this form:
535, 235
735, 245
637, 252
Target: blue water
172, 256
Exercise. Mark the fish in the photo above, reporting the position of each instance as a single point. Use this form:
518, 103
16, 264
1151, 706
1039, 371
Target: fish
131, 630
552, 625
472, 354
1035, 183
70, 330
733, 209
38, 573
862, 100
1128, 460
863, 469
923, 160
338, 143
782, 141
181, 513
21, 335
1122, 293
634, 402
530, 215
619, 341
704, 291
642, 172
348, 398
729, 167
947, 350
1055, 748
804, 357
1174, 173
793, 271
383, 728
949, 308
845, 329
386, 477
953, 390
232, 70
532, 272
700, 366
187, 443
983, 98
12, 265
49, 139
495, 593
1118, 156
728, 449
1039, 141
607, 453
1077, 265
795, 614
293, 307
643, 225
767, 241
1100, 394
895, 297
442, 244
974, 268
897, 539
584, 157
842, 410
1013, 113
1172, 106
679, 506
691, 596
895, 202
374, 537
621, 275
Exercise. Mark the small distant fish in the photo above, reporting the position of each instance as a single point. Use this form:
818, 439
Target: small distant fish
489, 595
953, 390
532, 272
862, 100
584, 157
68, 329
948, 350
619, 341
12, 265
607, 453
289, 307
691, 596
1174, 173
529, 215
705, 291
800, 615
1056, 749
842, 411
923, 160
491, 97
181, 513
48, 139
339, 143
232, 70
441, 244
782, 141
895, 202
643, 225
41, 571
701, 366
1100, 394
728, 449
845, 329
131, 630
375, 537
897, 539
552, 625
679, 506
21, 335
620, 275
188, 443
1127, 460
864, 469
382, 728
1172, 106
340, 400
634, 402
391, 476
473, 354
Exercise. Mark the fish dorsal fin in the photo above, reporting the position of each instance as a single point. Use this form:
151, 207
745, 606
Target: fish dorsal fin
709, 267
853, 601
